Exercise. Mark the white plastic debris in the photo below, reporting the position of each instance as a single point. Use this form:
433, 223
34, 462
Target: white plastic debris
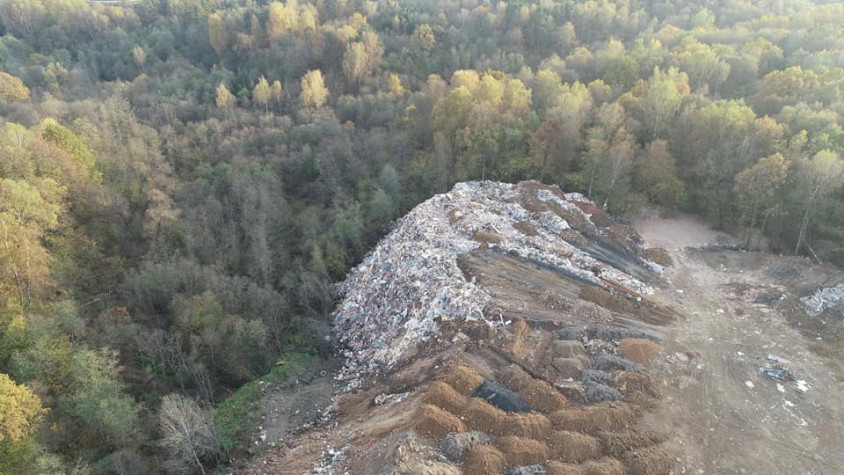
391, 301
749, 384
823, 299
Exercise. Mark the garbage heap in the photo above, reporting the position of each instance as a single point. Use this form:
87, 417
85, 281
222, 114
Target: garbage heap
828, 301
391, 302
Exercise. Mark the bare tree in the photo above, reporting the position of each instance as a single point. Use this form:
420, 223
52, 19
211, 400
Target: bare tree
187, 434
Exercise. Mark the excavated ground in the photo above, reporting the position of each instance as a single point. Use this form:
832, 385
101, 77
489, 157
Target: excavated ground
616, 382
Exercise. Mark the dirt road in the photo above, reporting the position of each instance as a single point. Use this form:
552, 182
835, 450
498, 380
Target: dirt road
725, 415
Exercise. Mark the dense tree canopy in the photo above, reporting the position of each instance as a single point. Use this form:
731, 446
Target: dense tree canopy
182, 180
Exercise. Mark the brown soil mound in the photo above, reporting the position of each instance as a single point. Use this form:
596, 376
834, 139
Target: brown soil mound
520, 331
567, 349
573, 447
649, 461
442, 395
463, 379
639, 350
526, 228
635, 386
568, 367
485, 417
537, 393
484, 460
520, 451
573, 419
658, 255
435, 423
488, 237
532, 426
560, 468
646, 311
610, 416
617, 443
604, 466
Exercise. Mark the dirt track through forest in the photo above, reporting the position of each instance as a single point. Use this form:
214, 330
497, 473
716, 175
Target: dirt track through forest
725, 415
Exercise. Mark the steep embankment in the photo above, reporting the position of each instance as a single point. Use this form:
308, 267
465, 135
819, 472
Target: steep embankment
486, 299
514, 328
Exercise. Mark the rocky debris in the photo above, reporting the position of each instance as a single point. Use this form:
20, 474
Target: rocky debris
393, 302
454, 445
828, 301
606, 362
597, 392
526, 470
596, 376
776, 368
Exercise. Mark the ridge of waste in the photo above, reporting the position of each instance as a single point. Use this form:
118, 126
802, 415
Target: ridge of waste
392, 300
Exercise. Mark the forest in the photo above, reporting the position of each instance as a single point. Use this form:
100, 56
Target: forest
181, 181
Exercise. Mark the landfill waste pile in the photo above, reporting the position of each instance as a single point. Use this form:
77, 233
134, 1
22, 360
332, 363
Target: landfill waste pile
396, 299
827, 301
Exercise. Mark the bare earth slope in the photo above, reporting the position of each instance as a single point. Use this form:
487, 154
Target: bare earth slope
727, 416
516, 329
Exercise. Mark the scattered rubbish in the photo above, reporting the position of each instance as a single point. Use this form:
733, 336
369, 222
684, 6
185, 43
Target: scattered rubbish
776, 368
597, 392
720, 311
527, 470
614, 363
828, 301
454, 445
500, 396
749, 384
801, 386
767, 298
392, 302
780, 388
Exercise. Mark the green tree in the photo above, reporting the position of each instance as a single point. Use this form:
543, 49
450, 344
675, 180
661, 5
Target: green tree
661, 102
819, 176
757, 188
21, 414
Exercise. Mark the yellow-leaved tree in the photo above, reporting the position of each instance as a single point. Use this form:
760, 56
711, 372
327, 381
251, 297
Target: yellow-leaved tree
20, 414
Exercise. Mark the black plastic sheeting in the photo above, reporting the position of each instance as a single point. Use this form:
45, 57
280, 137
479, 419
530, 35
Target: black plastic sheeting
501, 397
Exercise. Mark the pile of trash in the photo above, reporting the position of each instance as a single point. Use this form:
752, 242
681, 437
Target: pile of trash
828, 301
392, 300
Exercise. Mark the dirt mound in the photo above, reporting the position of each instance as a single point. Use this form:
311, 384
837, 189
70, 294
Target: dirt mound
568, 367
532, 426
617, 443
609, 416
658, 255
521, 451
636, 387
455, 445
639, 350
442, 395
567, 349
520, 331
572, 419
560, 468
649, 461
537, 393
573, 447
463, 379
432, 467
604, 466
485, 417
433, 422
597, 392
487, 237
484, 460
606, 362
